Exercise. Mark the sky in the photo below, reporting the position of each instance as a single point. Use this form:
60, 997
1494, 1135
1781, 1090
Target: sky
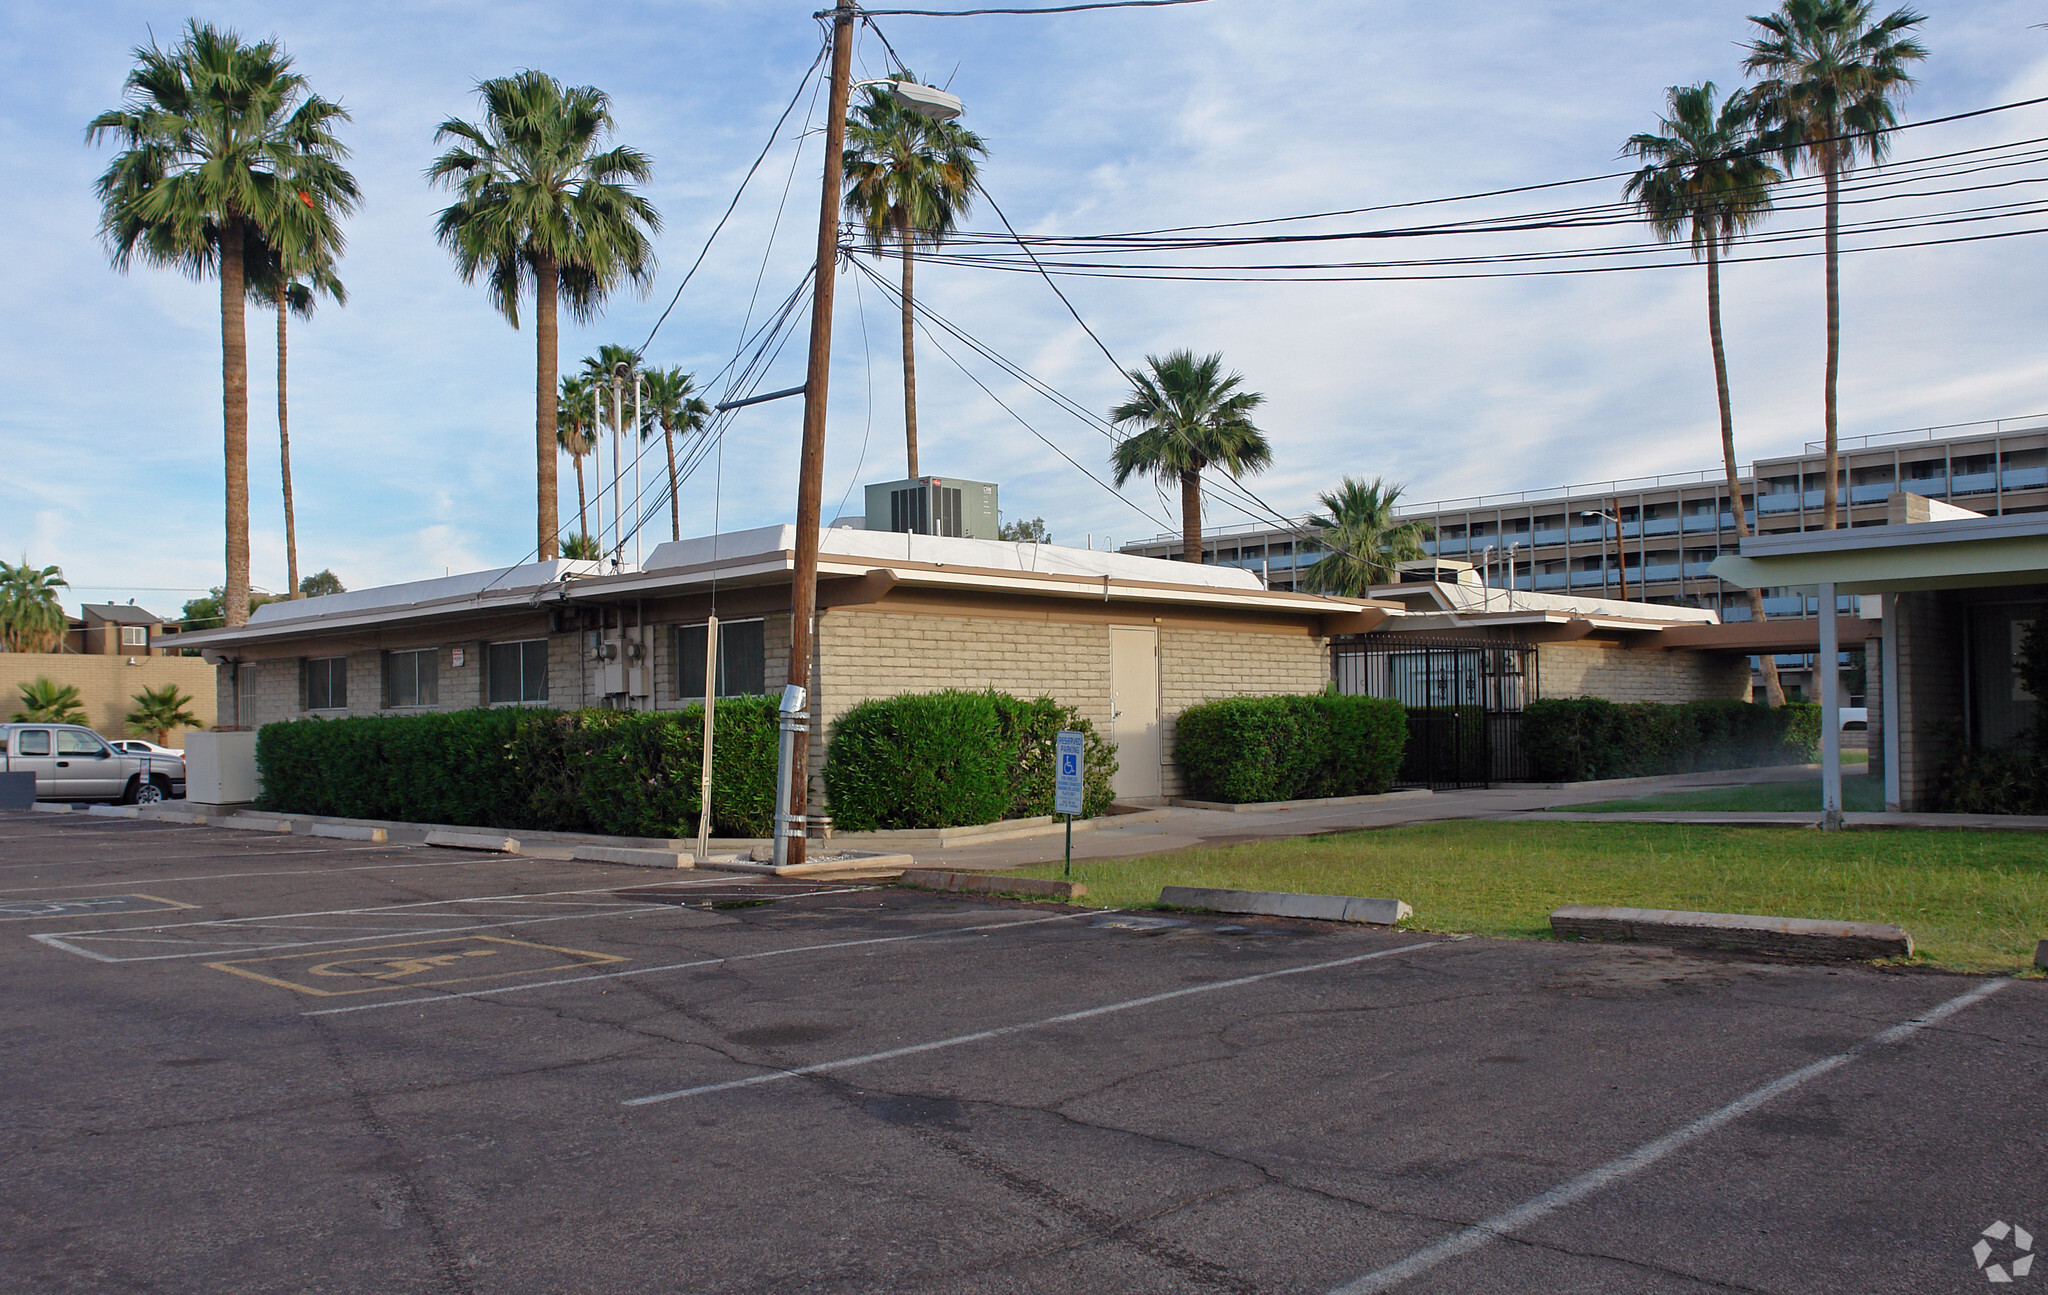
412, 409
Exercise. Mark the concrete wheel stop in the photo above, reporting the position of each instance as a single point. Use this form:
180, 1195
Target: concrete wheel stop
1790, 937
1275, 903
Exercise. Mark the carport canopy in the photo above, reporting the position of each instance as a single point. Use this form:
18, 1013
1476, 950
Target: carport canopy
1961, 553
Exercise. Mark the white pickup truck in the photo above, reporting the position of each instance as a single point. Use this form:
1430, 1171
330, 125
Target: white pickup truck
74, 763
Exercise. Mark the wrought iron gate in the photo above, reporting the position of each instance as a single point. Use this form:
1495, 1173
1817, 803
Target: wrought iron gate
1464, 700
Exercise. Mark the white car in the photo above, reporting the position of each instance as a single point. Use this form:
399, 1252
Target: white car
1855, 718
136, 746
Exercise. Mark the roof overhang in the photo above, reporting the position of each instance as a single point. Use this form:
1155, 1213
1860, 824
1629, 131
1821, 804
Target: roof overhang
1792, 634
1966, 553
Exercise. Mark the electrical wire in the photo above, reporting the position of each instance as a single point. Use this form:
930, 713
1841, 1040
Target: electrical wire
976, 13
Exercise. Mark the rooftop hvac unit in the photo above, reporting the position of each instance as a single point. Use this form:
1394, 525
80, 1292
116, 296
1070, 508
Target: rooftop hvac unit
934, 506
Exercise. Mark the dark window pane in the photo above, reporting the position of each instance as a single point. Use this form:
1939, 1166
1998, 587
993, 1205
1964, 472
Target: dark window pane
690, 662
740, 663
534, 670
430, 672
501, 672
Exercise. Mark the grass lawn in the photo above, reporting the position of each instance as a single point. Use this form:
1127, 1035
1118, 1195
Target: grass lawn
1972, 900
1860, 794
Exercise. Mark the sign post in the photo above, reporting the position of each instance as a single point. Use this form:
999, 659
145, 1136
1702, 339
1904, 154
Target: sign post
1067, 792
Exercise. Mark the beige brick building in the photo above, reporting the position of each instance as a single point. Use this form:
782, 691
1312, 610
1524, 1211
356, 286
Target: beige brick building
1130, 642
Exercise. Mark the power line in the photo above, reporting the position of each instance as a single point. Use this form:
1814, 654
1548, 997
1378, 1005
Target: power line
976, 13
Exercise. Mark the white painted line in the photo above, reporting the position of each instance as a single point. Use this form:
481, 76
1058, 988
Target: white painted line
1605, 1176
224, 876
980, 1036
704, 962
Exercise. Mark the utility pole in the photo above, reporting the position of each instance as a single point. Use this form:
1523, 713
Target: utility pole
803, 591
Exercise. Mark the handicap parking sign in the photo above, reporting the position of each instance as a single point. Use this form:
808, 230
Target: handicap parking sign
1066, 785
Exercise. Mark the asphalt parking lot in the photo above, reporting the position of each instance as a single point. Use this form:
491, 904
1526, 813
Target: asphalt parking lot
238, 1062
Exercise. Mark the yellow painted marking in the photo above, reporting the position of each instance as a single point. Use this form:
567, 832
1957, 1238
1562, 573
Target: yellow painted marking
381, 967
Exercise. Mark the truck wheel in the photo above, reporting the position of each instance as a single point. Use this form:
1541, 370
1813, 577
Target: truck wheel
145, 793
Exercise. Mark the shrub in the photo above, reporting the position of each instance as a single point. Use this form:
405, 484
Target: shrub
1245, 749
1582, 738
952, 758
624, 773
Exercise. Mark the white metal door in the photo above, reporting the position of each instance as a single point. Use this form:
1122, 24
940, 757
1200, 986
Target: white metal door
1134, 711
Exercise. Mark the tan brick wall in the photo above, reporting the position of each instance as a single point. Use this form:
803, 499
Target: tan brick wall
107, 684
868, 653
1205, 665
1619, 674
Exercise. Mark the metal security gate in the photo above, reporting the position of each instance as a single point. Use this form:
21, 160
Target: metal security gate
1464, 700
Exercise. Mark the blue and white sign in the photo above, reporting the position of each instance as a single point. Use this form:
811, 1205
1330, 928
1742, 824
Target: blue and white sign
1066, 781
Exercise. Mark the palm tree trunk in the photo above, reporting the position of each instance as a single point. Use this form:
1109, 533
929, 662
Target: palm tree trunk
1774, 690
909, 360
1831, 517
284, 454
582, 505
675, 509
548, 284
234, 375
1191, 516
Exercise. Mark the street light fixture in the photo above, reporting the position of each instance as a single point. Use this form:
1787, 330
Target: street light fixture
924, 100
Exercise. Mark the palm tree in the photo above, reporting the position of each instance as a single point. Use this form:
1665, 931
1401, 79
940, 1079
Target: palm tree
159, 710
1188, 416
541, 208
286, 272
1365, 543
31, 617
1830, 76
673, 405
582, 548
215, 136
43, 702
909, 180
576, 433
1704, 179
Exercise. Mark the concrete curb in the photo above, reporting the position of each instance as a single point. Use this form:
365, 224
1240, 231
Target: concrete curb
1276, 806
865, 865
474, 841
1273, 903
632, 857
42, 808
350, 832
1795, 937
979, 883
241, 824
114, 811
179, 816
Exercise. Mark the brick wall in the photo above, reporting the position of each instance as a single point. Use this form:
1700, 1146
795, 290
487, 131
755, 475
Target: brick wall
1618, 674
1204, 665
865, 653
107, 684
1930, 670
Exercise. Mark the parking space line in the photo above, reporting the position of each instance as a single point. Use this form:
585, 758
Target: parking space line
233, 876
711, 962
1499, 1226
1001, 1031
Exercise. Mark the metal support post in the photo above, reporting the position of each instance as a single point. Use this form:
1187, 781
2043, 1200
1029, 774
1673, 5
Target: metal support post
789, 821
1827, 671
710, 702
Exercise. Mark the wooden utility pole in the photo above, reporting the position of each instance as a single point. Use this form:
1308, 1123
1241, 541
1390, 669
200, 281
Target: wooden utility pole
803, 591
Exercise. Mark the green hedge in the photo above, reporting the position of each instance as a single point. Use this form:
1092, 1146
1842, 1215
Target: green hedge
1582, 738
1247, 749
620, 773
953, 758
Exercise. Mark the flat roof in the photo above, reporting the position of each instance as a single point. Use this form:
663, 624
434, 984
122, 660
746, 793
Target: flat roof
1963, 553
766, 556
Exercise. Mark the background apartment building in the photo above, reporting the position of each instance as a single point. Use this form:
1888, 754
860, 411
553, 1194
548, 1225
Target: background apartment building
1652, 539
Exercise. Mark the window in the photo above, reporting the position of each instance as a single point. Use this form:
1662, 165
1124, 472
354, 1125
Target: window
72, 742
135, 636
326, 682
742, 668
517, 672
35, 741
412, 678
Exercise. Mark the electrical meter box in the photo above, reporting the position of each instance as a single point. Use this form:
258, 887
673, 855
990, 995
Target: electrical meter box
934, 506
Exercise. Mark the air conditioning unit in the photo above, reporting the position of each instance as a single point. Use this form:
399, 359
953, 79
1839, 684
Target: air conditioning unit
948, 506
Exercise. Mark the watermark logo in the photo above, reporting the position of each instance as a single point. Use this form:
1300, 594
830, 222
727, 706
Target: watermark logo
2013, 1244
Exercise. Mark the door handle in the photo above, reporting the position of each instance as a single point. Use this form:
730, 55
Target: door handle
63, 764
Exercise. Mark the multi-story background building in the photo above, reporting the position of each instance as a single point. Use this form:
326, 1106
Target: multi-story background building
1652, 539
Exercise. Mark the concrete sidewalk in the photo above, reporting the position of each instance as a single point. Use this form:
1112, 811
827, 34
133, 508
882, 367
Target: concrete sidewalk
1180, 827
